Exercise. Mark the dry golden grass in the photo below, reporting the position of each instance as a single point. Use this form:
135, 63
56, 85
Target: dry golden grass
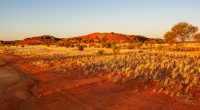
177, 73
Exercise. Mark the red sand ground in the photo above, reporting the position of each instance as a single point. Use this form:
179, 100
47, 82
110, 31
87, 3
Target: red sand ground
46, 90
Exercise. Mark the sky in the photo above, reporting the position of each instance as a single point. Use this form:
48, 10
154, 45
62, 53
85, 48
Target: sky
20, 19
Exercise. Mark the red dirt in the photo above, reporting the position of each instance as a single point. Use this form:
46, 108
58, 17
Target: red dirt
59, 91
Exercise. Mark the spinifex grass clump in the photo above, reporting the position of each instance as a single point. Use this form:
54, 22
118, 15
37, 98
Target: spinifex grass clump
176, 73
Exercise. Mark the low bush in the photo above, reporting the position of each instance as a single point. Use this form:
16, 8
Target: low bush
80, 47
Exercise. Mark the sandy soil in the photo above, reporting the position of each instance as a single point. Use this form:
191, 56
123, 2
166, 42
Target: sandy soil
34, 89
15, 87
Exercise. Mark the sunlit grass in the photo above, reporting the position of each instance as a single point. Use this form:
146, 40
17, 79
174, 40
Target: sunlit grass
177, 73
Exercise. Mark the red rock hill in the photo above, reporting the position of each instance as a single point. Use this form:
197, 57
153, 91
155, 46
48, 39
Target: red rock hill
45, 39
109, 37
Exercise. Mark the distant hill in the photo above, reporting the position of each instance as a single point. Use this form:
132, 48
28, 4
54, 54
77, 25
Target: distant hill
109, 37
90, 38
45, 39
9, 42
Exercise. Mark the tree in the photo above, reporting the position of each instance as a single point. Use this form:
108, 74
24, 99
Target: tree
170, 37
197, 37
1, 42
181, 32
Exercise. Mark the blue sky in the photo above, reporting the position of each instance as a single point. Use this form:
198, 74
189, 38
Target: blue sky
67, 18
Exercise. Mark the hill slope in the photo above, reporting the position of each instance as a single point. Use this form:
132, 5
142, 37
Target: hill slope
45, 39
110, 37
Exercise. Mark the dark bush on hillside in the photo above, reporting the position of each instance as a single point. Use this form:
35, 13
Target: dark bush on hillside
66, 44
80, 47
8, 43
35, 43
61, 45
48, 44
106, 45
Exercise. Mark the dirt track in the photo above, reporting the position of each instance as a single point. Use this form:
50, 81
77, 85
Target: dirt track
46, 90
15, 86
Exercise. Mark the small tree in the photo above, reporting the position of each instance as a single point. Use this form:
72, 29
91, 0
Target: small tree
170, 37
1, 43
197, 37
181, 32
